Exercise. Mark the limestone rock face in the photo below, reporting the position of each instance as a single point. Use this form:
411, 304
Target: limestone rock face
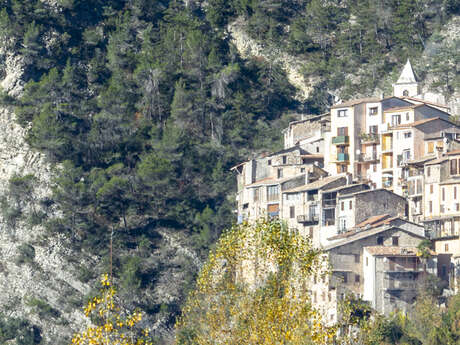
49, 276
248, 47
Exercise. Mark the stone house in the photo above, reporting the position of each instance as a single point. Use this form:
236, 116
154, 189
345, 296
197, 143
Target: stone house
261, 180
356, 207
382, 236
405, 143
302, 205
309, 133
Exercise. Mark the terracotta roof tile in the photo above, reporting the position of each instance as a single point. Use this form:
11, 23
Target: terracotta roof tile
371, 220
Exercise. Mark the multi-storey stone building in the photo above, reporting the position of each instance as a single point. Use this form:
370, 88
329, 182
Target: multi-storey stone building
355, 181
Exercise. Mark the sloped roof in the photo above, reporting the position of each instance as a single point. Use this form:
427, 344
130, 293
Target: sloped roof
407, 75
372, 220
393, 251
425, 101
290, 149
336, 189
422, 160
420, 122
318, 184
370, 223
272, 181
371, 191
358, 235
356, 102
436, 161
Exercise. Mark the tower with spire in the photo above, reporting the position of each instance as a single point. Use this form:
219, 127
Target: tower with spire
407, 85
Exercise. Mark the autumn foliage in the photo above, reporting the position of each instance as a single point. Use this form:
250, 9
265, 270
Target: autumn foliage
112, 325
254, 290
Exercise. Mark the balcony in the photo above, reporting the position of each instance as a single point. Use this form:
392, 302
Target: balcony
368, 157
341, 140
369, 138
343, 157
308, 218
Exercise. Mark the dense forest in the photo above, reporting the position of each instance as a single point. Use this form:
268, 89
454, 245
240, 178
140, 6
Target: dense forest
145, 105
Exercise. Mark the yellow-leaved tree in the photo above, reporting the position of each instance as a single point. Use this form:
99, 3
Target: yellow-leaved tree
254, 289
110, 324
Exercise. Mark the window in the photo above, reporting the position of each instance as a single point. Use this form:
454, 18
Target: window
292, 212
342, 112
272, 193
356, 278
280, 173
455, 192
443, 193
406, 155
317, 149
395, 240
441, 208
407, 116
430, 206
405, 93
446, 247
373, 129
453, 167
428, 172
367, 261
269, 162
341, 131
342, 206
351, 204
342, 224
430, 147
395, 120
380, 241
345, 277
457, 207
407, 135
373, 110
292, 196
302, 170
311, 232
284, 159
356, 258
431, 189
255, 194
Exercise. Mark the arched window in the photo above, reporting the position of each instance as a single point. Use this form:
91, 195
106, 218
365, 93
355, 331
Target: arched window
405, 93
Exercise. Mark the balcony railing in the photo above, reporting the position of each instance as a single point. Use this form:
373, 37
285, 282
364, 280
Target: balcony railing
341, 140
307, 218
368, 157
343, 157
369, 138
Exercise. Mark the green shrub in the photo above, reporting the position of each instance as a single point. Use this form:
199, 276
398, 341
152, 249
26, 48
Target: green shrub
42, 308
26, 254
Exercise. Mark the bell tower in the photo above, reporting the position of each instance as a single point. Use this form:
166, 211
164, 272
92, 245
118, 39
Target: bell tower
407, 84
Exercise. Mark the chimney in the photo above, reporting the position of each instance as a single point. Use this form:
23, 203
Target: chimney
438, 152
349, 178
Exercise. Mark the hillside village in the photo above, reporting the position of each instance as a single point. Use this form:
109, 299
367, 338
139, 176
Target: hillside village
369, 182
